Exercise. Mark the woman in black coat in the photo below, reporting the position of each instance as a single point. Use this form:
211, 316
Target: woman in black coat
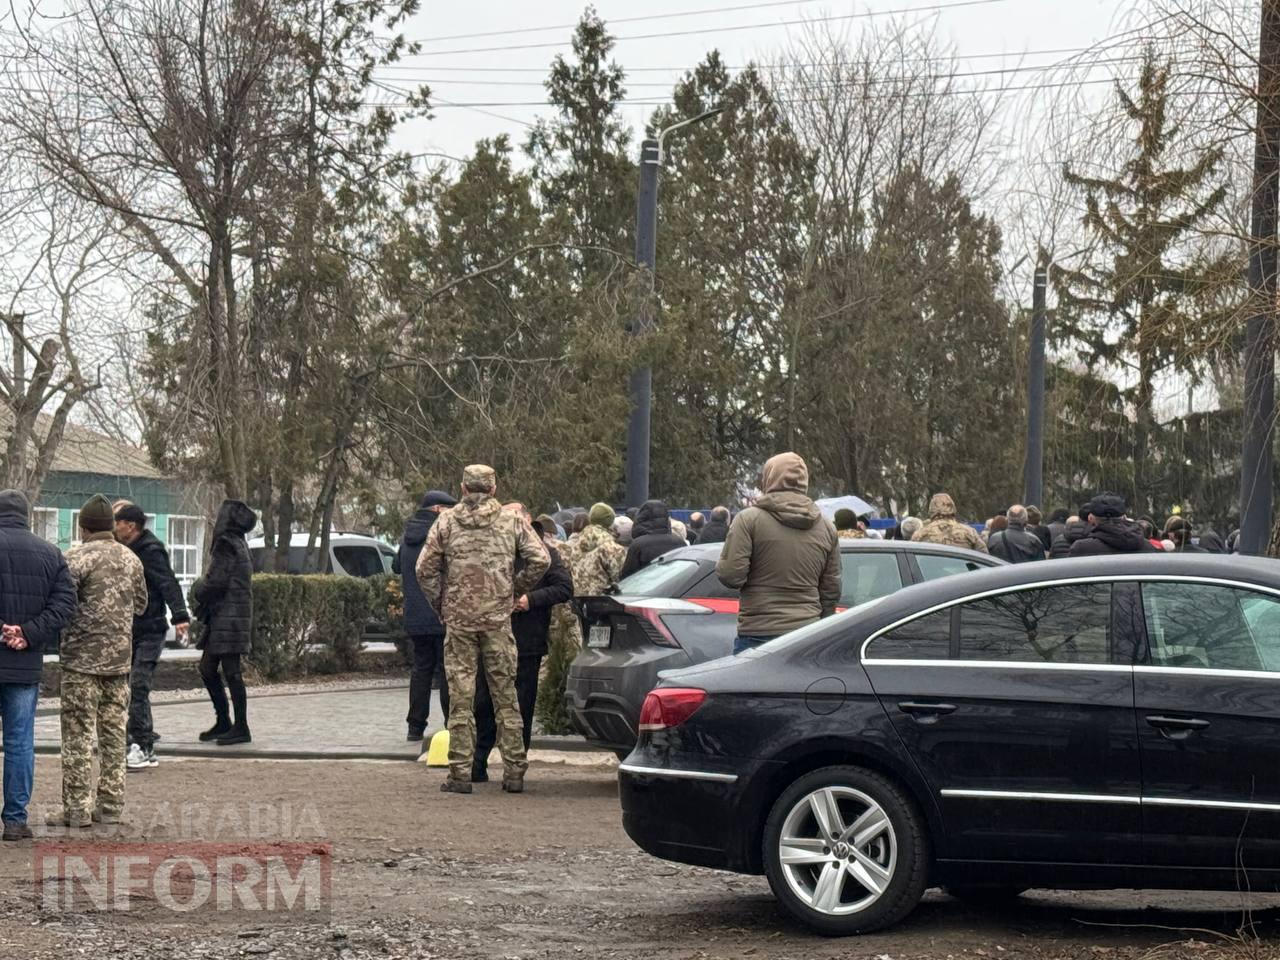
224, 605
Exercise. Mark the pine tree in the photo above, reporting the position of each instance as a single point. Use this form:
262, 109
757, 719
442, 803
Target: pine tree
1143, 299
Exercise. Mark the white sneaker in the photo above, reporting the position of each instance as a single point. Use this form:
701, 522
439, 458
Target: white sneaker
137, 758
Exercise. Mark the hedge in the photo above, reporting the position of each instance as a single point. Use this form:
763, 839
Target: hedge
308, 623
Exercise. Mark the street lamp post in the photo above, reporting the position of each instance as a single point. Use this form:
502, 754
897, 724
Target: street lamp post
651, 156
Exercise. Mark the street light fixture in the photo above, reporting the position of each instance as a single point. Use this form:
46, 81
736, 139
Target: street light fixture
651, 157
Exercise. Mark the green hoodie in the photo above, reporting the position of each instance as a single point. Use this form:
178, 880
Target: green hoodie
782, 555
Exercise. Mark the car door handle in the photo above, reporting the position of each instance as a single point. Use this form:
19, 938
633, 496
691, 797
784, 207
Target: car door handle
925, 712
1177, 728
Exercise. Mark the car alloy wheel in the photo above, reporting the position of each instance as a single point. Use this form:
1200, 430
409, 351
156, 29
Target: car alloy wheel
838, 850
846, 850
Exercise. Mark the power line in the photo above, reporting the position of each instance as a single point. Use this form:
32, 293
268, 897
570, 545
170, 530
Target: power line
613, 20
929, 8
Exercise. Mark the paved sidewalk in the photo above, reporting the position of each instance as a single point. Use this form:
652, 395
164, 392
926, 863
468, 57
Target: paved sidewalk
325, 724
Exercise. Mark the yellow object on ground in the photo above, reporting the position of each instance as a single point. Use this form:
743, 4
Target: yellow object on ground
437, 754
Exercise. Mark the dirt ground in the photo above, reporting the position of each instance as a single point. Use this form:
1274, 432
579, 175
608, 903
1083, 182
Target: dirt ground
549, 874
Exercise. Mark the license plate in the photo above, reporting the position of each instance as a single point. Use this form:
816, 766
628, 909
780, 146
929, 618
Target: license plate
599, 636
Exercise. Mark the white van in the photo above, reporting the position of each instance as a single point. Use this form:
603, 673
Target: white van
350, 555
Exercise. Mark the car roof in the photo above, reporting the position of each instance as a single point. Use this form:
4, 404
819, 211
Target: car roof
711, 551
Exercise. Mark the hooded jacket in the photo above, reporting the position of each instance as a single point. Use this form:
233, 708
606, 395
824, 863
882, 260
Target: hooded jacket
651, 537
782, 554
36, 591
1112, 536
467, 570
943, 527
1071, 532
597, 561
163, 589
224, 597
419, 619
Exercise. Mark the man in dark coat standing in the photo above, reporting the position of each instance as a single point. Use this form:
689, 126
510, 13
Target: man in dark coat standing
531, 624
163, 590
1110, 531
421, 625
37, 599
224, 605
717, 528
1016, 543
651, 537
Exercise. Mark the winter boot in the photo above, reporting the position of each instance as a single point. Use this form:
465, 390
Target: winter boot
455, 786
513, 784
220, 728
238, 733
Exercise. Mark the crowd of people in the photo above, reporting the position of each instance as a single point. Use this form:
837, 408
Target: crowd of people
487, 591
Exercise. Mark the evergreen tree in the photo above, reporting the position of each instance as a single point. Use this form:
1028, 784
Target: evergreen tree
1144, 299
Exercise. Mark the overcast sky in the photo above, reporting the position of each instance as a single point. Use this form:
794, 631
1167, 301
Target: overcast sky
514, 76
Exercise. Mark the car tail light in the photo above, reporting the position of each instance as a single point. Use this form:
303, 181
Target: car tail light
653, 627
669, 707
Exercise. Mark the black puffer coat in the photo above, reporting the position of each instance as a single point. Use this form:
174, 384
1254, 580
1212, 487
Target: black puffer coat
419, 619
1112, 536
1071, 532
651, 537
224, 597
715, 531
36, 592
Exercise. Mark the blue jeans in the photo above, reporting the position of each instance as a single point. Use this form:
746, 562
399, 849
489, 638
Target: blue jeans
741, 642
18, 714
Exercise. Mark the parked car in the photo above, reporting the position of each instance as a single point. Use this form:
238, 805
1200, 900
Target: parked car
675, 613
350, 555
1093, 723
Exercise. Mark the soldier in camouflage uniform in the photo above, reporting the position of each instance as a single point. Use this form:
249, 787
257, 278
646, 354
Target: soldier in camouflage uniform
467, 573
566, 632
597, 558
96, 654
943, 527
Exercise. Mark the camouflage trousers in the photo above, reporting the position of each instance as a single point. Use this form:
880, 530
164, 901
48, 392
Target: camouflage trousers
93, 705
464, 652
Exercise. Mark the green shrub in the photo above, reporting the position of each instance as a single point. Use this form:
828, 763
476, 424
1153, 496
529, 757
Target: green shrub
563, 644
308, 623
388, 611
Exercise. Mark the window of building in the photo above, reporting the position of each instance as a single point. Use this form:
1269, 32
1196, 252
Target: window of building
1066, 624
186, 546
75, 527
44, 523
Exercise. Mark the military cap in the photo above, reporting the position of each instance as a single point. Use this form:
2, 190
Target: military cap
479, 475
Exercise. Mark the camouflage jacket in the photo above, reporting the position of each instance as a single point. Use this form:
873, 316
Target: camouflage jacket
112, 590
851, 534
597, 562
952, 531
467, 568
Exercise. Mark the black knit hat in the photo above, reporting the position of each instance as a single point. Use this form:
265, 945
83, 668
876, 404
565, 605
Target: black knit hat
96, 515
132, 513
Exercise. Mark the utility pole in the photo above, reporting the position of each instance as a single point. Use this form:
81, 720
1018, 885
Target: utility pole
651, 156
1033, 467
1256, 460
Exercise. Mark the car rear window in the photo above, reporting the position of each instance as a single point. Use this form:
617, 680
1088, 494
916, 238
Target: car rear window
359, 561
658, 579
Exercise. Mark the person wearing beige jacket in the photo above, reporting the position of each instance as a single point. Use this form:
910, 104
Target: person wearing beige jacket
782, 555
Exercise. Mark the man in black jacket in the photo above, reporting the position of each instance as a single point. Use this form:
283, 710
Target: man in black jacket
1015, 543
37, 599
1110, 531
421, 625
717, 528
163, 590
531, 624
651, 537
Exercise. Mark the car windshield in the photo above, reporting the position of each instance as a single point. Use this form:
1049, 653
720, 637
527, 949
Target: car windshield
658, 579
804, 633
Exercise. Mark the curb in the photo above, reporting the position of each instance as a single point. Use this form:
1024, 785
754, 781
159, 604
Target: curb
551, 744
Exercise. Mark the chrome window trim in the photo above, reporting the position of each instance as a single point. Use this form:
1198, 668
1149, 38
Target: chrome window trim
639, 771
1066, 797
1064, 581
1211, 804
1127, 799
1003, 664
1209, 672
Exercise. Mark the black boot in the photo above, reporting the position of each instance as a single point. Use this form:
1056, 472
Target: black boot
239, 732
218, 695
221, 727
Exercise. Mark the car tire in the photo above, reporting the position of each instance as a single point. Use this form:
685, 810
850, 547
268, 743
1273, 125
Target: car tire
843, 888
984, 894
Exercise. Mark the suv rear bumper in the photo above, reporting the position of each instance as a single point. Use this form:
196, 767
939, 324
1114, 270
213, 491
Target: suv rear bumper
605, 698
